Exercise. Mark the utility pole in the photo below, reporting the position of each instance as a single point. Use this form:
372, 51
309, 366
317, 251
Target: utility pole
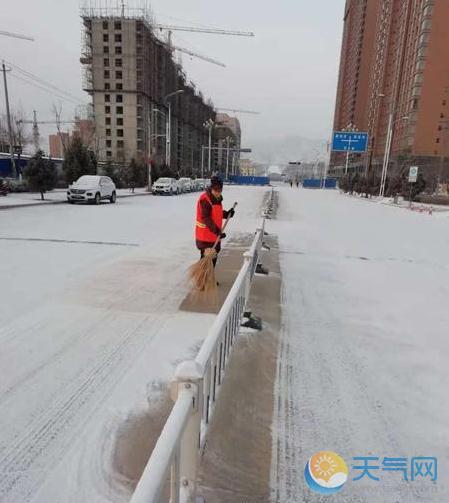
8, 116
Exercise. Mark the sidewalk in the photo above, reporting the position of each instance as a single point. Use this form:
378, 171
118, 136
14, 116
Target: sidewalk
57, 196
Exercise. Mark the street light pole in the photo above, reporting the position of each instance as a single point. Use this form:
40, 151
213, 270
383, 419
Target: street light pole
228, 139
168, 138
386, 155
8, 117
209, 160
168, 127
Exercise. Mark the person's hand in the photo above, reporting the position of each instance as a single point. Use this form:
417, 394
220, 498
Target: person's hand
222, 235
231, 213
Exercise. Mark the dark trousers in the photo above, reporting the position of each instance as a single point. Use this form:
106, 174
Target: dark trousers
214, 260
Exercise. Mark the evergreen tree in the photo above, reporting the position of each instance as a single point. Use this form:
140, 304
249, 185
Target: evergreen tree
78, 161
135, 174
40, 174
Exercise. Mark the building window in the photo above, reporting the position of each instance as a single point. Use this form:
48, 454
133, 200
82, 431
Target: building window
105, 37
118, 49
108, 121
118, 25
437, 140
119, 110
441, 116
108, 143
108, 153
119, 121
119, 98
444, 103
120, 133
106, 49
108, 132
107, 86
106, 61
107, 98
105, 25
119, 86
106, 74
439, 128
120, 143
107, 109
118, 62
118, 74
118, 37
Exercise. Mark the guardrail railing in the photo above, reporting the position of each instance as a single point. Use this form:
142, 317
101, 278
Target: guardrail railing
171, 471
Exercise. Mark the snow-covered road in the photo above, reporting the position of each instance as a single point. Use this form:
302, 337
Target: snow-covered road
90, 325
364, 361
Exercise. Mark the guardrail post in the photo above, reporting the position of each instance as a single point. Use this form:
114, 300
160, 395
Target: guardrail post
189, 375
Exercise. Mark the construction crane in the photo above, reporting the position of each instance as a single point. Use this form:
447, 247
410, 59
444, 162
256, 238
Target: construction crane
216, 31
16, 35
236, 111
36, 123
199, 56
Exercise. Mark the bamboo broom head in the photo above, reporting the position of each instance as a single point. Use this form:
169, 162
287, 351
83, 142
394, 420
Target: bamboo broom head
202, 274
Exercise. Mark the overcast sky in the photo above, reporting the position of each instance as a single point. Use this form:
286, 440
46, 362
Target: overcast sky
288, 72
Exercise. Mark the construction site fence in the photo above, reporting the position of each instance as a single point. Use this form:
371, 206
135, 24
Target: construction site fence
172, 470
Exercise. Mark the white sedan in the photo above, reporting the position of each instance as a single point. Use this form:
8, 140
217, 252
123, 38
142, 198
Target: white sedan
92, 189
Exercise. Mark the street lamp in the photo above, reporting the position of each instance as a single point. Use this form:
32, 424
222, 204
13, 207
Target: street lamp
209, 124
387, 153
168, 126
349, 128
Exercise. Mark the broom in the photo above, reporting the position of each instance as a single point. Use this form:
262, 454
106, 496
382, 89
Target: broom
202, 273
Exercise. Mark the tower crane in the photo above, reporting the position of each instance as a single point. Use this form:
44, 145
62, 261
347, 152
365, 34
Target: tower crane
36, 123
16, 35
237, 111
216, 31
199, 56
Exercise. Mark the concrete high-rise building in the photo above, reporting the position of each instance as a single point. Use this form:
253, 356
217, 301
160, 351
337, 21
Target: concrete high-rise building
228, 133
394, 68
129, 72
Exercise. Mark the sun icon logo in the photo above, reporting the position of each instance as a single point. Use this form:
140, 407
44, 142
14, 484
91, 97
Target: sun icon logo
326, 472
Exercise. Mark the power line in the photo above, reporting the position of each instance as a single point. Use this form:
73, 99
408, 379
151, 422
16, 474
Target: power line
42, 81
49, 91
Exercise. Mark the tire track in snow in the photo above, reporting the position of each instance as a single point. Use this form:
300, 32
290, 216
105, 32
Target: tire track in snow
17, 460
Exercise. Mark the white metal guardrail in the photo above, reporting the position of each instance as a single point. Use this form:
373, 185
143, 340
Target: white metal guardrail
173, 465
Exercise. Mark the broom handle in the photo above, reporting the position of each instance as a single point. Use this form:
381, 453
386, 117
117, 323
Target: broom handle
224, 225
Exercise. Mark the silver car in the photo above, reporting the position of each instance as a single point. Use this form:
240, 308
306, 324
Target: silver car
92, 189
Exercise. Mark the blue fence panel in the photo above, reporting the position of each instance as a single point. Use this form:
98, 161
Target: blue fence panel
249, 180
331, 183
312, 183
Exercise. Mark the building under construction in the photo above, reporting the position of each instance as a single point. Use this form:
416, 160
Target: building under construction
130, 73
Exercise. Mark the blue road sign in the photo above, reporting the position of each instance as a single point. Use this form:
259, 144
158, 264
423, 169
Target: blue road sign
343, 141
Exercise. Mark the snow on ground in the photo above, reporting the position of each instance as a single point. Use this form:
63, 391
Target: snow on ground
54, 196
90, 326
363, 366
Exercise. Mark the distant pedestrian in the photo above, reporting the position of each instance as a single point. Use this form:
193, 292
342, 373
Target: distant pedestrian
291, 183
297, 184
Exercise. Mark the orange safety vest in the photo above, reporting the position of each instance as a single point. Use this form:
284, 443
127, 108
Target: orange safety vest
202, 233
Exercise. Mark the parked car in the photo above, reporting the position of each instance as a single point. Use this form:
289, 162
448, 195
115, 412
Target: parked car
92, 189
185, 184
167, 186
200, 183
3, 187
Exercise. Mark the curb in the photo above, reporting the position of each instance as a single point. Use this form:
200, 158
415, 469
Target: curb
12, 206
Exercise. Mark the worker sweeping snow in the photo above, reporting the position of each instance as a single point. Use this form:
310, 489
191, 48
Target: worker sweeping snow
209, 233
